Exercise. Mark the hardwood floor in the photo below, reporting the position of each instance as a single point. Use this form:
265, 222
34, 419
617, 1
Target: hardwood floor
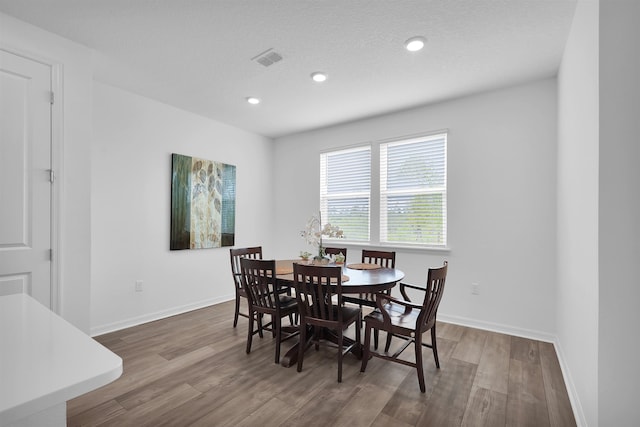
192, 369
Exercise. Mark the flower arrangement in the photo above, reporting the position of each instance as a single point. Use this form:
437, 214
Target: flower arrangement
314, 231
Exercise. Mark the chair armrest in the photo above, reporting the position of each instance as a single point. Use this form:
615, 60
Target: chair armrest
408, 285
382, 299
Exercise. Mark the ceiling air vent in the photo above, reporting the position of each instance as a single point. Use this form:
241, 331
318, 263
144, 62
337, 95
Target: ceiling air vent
267, 58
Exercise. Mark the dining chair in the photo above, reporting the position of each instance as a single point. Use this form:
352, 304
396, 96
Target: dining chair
319, 294
386, 259
254, 252
336, 251
403, 319
266, 298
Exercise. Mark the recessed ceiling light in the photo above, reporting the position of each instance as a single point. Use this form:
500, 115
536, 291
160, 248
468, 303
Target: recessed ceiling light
253, 101
414, 44
318, 77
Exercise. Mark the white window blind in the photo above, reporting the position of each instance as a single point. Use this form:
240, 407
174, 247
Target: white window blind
345, 191
413, 191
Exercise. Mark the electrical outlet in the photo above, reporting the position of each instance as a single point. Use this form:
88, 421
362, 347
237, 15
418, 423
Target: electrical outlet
138, 285
475, 289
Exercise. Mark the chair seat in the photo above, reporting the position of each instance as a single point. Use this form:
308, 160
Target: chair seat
399, 318
287, 302
349, 314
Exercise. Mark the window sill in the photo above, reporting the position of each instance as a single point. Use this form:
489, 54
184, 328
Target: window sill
388, 247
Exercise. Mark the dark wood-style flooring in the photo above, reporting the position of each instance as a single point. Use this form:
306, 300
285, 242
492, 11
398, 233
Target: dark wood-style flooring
192, 369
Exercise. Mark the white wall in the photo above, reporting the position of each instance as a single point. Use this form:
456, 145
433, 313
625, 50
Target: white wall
502, 201
578, 212
130, 198
619, 257
73, 155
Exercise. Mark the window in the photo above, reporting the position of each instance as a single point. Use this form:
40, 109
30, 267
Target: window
413, 191
408, 195
345, 191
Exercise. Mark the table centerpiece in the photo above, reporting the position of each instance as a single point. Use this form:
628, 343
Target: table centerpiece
313, 233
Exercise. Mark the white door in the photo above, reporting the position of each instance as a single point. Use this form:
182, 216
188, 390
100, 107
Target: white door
25, 178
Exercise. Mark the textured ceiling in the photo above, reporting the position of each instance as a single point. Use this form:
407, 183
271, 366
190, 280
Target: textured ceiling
196, 54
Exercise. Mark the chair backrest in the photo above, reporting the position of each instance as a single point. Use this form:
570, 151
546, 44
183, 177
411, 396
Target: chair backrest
315, 287
259, 283
382, 258
436, 277
336, 251
238, 253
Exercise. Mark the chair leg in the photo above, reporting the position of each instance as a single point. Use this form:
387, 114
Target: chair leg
365, 350
237, 312
293, 318
278, 327
250, 334
302, 344
316, 337
388, 343
358, 334
418, 345
273, 326
434, 346
259, 316
340, 355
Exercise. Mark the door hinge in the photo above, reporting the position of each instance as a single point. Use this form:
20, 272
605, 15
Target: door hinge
52, 175
51, 98
50, 254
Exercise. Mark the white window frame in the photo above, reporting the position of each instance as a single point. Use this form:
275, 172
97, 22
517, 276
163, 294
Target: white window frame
325, 196
386, 193
378, 192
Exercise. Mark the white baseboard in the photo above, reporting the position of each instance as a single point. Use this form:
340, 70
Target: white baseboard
496, 327
578, 413
150, 317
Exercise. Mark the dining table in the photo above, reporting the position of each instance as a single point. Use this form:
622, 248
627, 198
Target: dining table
357, 278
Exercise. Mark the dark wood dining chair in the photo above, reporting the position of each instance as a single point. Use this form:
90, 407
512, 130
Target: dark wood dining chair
319, 294
236, 254
266, 298
403, 319
336, 251
386, 259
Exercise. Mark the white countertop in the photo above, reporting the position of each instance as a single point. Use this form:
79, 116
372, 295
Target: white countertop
44, 360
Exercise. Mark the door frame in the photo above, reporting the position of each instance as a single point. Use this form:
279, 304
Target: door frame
57, 165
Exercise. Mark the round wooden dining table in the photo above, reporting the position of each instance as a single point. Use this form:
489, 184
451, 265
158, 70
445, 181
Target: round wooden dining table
357, 278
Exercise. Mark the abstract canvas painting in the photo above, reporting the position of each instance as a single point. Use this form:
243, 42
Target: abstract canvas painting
203, 203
